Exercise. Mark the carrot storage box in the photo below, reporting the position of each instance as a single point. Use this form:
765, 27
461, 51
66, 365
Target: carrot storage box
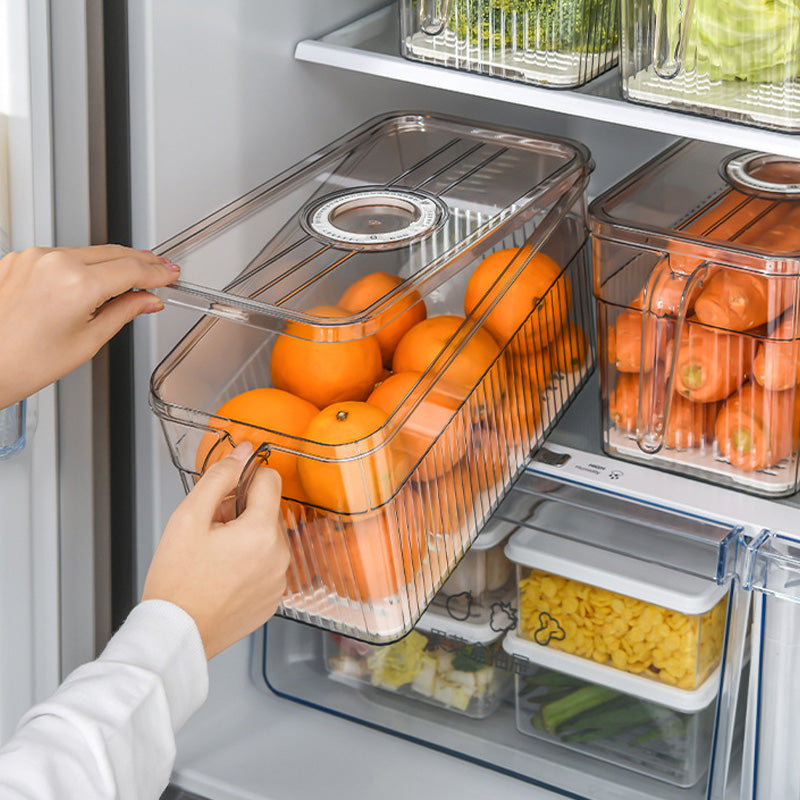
562, 43
394, 323
696, 266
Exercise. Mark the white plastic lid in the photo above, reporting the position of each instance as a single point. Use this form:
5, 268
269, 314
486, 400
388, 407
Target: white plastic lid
598, 562
469, 632
689, 701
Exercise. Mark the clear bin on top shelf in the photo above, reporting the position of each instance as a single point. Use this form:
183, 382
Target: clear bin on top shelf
395, 323
732, 59
563, 43
697, 280
444, 663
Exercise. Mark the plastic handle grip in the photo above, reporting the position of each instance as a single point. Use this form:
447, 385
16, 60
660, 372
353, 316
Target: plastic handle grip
432, 16
668, 50
259, 458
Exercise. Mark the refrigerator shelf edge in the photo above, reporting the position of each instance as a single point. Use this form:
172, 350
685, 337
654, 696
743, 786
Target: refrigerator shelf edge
371, 45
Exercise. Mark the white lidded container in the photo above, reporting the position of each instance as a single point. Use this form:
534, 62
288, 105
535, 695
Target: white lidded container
454, 665
581, 591
615, 716
480, 590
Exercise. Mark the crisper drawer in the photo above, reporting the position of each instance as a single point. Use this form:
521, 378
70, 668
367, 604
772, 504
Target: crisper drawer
584, 725
395, 324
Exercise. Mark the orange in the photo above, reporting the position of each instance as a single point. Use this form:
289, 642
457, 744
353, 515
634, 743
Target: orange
374, 555
339, 478
540, 292
488, 458
324, 372
260, 416
399, 317
419, 348
568, 350
521, 410
435, 418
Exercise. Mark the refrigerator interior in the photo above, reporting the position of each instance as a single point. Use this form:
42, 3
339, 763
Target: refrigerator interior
204, 130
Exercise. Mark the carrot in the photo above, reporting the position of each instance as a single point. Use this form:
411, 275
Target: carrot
663, 291
757, 428
623, 402
710, 365
738, 300
690, 424
777, 363
625, 341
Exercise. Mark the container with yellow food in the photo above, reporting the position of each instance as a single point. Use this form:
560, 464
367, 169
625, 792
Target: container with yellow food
637, 615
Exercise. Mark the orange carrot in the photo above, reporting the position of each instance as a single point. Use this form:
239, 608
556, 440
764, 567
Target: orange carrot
738, 300
777, 362
663, 291
710, 365
690, 424
625, 341
757, 428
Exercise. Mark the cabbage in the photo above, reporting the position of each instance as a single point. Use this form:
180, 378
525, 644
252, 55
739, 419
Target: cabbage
748, 40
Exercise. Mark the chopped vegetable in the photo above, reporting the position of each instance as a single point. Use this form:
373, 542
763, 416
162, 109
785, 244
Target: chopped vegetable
562, 25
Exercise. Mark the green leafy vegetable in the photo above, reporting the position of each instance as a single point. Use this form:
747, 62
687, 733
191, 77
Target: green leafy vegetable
747, 40
526, 25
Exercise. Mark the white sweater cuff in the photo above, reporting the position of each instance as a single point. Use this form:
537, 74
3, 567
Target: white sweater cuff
161, 637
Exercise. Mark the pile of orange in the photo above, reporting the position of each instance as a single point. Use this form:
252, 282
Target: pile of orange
355, 522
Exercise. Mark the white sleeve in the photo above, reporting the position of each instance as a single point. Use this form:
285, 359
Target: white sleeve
109, 730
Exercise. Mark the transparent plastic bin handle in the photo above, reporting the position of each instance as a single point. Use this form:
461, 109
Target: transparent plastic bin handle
672, 20
433, 15
12, 429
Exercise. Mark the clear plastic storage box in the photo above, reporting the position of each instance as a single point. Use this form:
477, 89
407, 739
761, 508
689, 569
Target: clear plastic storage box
442, 662
394, 323
732, 59
696, 262
662, 732
580, 593
481, 590
561, 43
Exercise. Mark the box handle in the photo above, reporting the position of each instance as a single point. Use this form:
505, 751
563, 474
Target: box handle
433, 15
668, 55
259, 458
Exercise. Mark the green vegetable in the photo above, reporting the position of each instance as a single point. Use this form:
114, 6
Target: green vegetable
560, 711
674, 729
548, 677
748, 40
562, 25
464, 660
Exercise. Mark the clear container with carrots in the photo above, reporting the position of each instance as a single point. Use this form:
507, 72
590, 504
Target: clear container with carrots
395, 324
697, 282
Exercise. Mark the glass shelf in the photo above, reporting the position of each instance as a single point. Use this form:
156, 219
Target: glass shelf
371, 45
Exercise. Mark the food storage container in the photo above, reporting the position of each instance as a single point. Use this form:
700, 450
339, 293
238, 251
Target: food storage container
697, 260
394, 323
732, 59
443, 662
481, 589
560, 43
582, 592
653, 729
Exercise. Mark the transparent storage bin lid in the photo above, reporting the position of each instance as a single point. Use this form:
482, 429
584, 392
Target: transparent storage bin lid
409, 194
697, 196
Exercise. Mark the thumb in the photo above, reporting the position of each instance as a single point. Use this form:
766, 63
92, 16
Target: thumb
218, 482
119, 311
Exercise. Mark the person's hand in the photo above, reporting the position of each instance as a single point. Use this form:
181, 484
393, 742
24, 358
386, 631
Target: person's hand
59, 306
229, 576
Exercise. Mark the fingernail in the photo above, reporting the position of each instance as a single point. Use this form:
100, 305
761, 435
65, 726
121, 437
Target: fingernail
153, 306
243, 450
147, 252
169, 264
